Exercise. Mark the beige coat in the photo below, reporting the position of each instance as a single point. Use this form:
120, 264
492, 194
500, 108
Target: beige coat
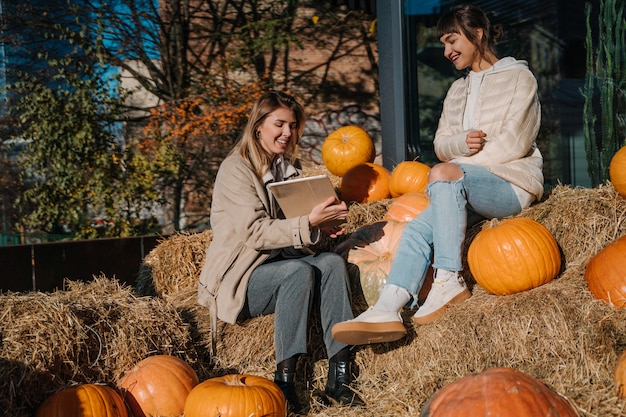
245, 231
508, 111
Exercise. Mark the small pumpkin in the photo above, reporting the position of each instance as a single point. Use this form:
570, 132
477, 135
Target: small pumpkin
236, 395
408, 176
345, 148
365, 183
497, 392
406, 207
620, 375
605, 274
369, 252
513, 255
158, 386
87, 400
617, 171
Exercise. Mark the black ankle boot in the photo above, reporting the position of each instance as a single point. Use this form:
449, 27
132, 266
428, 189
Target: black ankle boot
285, 380
338, 385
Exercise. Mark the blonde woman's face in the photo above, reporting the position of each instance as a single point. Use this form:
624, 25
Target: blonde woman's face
277, 131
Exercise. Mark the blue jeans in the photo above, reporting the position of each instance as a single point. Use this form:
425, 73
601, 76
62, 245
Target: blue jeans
438, 232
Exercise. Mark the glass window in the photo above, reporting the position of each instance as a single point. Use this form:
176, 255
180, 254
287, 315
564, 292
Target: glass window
549, 34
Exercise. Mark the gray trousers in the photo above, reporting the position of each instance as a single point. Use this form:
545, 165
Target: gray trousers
290, 288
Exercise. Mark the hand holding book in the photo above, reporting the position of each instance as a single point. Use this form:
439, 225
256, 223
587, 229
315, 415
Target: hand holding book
314, 196
330, 210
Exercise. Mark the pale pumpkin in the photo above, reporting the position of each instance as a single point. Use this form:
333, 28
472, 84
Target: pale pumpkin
406, 207
365, 183
369, 252
236, 395
87, 400
158, 386
605, 274
345, 148
620, 375
617, 171
408, 176
503, 392
513, 255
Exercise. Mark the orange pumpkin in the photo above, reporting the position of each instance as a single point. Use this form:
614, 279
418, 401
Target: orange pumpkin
88, 400
606, 274
620, 375
370, 250
406, 207
617, 171
365, 183
497, 392
514, 255
235, 396
408, 176
345, 148
158, 386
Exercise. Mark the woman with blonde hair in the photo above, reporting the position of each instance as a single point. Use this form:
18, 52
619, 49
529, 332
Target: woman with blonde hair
260, 262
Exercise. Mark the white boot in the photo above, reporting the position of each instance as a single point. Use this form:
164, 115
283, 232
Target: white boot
380, 323
448, 288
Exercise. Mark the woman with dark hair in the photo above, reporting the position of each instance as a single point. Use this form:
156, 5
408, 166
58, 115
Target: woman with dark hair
490, 167
259, 262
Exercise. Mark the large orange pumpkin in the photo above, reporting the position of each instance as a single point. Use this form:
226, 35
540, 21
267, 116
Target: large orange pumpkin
617, 171
408, 176
371, 249
158, 386
514, 255
365, 183
236, 395
88, 400
606, 274
620, 375
406, 207
347, 147
497, 392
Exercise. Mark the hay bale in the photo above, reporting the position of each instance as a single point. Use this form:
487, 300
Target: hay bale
174, 265
90, 333
582, 220
557, 333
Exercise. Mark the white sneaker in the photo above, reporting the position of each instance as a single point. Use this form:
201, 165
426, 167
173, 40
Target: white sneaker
371, 326
448, 288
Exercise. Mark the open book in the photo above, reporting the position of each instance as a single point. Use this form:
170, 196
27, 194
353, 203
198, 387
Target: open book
298, 197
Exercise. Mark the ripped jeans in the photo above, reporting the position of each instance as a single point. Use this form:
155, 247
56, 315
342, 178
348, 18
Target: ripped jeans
438, 232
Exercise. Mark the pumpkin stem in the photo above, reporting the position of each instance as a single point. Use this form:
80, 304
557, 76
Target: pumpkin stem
236, 380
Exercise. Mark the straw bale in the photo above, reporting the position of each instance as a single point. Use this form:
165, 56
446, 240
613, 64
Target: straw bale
174, 264
557, 333
582, 220
89, 333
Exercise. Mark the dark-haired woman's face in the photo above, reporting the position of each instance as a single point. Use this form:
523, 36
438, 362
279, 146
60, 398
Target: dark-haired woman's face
460, 51
277, 130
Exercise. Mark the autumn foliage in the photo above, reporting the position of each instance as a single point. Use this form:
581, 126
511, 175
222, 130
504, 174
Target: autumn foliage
215, 116
186, 140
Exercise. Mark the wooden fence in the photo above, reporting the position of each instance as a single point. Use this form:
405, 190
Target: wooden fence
44, 266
